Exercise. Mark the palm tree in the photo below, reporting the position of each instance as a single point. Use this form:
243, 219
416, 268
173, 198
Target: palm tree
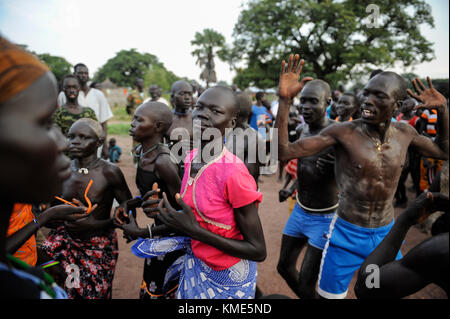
208, 44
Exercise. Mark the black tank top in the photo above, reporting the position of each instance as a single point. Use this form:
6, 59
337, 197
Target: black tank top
145, 180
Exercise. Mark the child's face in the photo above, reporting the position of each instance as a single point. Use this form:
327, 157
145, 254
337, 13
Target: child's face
143, 125
83, 141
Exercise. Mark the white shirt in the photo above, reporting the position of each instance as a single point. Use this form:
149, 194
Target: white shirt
274, 108
161, 99
95, 99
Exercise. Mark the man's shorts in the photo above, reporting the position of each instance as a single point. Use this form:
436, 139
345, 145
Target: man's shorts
345, 251
314, 226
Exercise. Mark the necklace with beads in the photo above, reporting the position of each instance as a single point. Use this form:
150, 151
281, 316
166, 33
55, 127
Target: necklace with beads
142, 153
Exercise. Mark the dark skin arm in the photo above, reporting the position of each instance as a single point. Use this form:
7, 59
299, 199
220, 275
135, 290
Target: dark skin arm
252, 247
60, 212
421, 266
168, 171
431, 99
127, 222
284, 193
289, 87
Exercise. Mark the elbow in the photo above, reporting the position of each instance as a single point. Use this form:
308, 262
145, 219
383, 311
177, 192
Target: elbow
283, 154
260, 254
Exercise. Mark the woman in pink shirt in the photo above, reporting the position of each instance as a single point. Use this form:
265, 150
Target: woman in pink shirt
224, 237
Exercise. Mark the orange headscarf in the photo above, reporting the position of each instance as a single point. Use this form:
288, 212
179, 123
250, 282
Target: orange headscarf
18, 69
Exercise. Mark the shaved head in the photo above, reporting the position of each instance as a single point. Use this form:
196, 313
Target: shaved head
159, 112
321, 85
244, 104
180, 85
396, 82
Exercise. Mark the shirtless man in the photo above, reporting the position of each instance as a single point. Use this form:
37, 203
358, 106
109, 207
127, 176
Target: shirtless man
317, 198
238, 142
369, 154
181, 100
90, 243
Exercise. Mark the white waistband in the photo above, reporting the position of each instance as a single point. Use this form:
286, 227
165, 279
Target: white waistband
316, 209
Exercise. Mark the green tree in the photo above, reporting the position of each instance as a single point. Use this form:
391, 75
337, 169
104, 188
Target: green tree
335, 38
126, 67
208, 43
158, 74
58, 65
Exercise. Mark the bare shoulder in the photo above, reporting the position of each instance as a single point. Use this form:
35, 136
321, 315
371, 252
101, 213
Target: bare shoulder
403, 127
111, 170
163, 158
341, 128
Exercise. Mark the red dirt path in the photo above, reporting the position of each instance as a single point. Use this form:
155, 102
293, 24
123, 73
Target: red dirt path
273, 216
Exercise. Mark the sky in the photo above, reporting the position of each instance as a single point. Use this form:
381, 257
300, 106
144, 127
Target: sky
93, 31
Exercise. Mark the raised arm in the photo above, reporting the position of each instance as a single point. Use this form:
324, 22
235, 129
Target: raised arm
431, 99
289, 87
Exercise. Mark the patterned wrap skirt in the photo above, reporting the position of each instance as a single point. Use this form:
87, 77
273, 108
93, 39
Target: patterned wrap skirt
196, 280
89, 264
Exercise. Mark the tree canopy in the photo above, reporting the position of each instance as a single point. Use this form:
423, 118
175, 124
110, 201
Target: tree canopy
208, 43
128, 65
337, 39
58, 65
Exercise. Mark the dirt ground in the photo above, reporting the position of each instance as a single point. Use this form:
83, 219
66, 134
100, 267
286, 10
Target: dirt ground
273, 216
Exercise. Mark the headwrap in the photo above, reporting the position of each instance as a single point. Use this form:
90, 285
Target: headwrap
18, 69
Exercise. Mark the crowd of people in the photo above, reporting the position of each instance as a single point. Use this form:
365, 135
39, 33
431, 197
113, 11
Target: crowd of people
346, 157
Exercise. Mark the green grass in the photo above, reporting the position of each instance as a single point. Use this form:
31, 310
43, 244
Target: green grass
118, 129
120, 114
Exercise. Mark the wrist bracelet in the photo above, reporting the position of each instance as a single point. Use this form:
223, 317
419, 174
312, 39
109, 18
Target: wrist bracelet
36, 223
150, 231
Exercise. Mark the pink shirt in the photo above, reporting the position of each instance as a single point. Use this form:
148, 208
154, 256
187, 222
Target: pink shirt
220, 186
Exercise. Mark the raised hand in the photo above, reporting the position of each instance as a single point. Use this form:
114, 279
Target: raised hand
430, 98
182, 221
289, 85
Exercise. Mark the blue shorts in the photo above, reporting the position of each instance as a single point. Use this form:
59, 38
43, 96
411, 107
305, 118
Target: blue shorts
345, 251
311, 225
